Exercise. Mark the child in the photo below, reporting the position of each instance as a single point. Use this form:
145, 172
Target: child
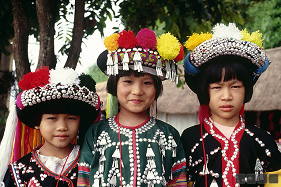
133, 148
58, 103
222, 150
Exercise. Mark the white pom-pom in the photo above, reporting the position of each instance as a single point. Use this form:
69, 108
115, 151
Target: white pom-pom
64, 76
231, 31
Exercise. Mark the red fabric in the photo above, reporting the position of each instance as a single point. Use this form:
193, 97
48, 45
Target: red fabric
34, 79
229, 152
180, 55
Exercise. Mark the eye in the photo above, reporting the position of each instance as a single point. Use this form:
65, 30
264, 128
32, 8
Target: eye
51, 118
127, 81
148, 82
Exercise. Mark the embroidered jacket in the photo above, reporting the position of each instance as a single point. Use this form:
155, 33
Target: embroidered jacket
151, 155
240, 160
30, 171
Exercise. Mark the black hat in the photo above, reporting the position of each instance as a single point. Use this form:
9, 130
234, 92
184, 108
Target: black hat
60, 91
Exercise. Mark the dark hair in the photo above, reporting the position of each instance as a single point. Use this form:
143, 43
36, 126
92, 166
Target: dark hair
211, 72
112, 82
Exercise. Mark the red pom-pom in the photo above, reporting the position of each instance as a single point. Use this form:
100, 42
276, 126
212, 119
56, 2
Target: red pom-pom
127, 39
180, 55
146, 38
34, 79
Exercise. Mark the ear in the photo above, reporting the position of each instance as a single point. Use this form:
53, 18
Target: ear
37, 127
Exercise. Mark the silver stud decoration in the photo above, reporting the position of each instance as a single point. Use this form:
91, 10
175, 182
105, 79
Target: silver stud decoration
56, 91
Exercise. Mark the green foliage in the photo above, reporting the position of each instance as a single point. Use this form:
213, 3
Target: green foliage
6, 26
97, 74
265, 16
180, 17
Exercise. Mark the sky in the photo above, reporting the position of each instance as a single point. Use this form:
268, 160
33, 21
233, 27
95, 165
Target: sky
91, 48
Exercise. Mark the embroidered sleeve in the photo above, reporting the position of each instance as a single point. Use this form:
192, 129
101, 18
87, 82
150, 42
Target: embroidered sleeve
178, 170
85, 160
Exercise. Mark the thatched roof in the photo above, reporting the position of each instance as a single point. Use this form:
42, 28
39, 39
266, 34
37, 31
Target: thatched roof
266, 95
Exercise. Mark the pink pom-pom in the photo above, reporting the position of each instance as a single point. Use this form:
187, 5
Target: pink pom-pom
146, 39
180, 55
34, 79
127, 39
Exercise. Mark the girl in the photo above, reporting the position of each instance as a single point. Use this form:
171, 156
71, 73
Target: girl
132, 148
58, 103
222, 150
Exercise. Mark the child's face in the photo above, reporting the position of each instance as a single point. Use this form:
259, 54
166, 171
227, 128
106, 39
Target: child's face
135, 94
58, 130
226, 100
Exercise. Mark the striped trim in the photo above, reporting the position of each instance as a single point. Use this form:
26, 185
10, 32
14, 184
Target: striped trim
179, 167
179, 180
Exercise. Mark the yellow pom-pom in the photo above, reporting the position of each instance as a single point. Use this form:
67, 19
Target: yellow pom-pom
111, 42
168, 46
255, 37
196, 39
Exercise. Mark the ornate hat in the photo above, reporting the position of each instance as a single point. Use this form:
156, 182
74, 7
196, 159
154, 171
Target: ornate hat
56, 91
143, 53
60, 91
225, 40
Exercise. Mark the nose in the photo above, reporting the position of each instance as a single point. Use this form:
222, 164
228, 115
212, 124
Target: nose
226, 94
62, 125
137, 89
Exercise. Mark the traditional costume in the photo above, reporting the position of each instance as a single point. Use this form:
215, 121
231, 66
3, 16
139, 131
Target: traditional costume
151, 153
242, 158
60, 91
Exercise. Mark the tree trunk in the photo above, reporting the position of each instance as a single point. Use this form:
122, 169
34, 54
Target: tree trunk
76, 42
46, 20
6, 66
20, 41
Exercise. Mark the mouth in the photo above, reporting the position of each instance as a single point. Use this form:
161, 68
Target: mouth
62, 136
226, 108
136, 101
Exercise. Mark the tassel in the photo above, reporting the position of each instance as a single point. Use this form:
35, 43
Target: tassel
214, 184
109, 65
150, 175
174, 145
168, 70
7, 141
159, 67
101, 163
174, 72
115, 65
149, 152
137, 62
96, 183
113, 181
258, 170
126, 61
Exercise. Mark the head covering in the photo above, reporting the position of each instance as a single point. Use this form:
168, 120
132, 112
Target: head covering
60, 91
56, 91
143, 53
223, 41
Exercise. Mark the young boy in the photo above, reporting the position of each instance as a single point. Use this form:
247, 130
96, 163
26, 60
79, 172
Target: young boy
61, 105
133, 148
222, 150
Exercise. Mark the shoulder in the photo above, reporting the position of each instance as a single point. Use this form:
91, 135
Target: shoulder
99, 125
255, 131
23, 161
191, 131
163, 126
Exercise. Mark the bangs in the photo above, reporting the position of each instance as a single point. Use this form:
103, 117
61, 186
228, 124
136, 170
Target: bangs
228, 67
